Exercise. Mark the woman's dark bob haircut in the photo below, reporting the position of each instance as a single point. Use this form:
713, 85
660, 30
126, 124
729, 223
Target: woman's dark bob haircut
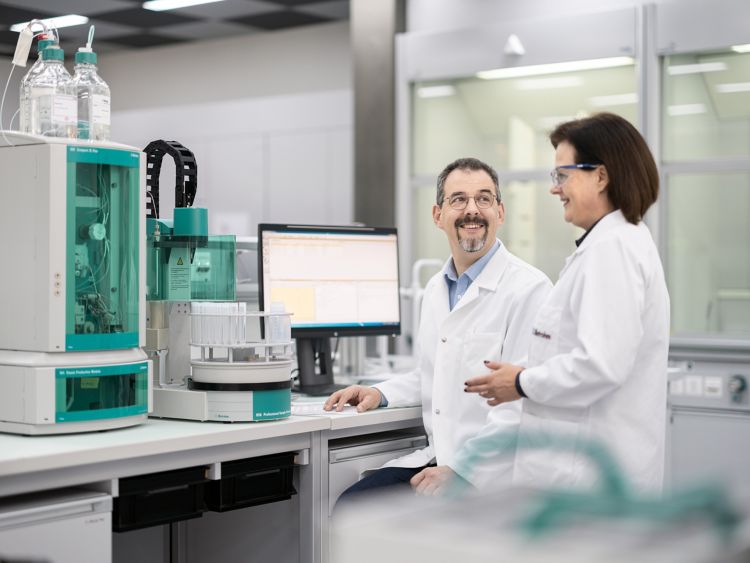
608, 139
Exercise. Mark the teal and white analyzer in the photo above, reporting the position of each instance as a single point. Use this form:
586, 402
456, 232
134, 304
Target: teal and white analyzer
214, 359
73, 289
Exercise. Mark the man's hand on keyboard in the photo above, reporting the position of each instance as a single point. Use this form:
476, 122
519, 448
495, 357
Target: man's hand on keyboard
364, 398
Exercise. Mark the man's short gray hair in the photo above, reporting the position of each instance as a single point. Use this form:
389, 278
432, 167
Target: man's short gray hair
465, 164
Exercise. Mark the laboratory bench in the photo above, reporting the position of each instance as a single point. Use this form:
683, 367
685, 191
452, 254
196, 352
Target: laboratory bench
323, 453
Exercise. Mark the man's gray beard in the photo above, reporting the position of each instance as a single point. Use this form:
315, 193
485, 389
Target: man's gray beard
472, 244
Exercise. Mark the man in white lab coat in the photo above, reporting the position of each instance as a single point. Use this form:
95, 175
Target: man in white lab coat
479, 308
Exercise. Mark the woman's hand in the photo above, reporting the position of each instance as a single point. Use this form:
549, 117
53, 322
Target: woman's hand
497, 387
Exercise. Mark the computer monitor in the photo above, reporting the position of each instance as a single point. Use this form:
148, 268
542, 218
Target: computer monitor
336, 281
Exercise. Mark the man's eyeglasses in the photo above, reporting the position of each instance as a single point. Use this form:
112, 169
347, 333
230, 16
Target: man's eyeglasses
460, 201
559, 178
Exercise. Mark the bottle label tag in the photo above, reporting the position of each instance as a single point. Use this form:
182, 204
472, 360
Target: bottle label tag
41, 109
65, 109
100, 112
41, 91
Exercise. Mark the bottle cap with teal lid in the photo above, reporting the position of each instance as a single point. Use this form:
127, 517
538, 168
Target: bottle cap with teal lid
53, 54
85, 54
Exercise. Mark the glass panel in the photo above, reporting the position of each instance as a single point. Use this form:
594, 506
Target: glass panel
709, 253
92, 393
191, 268
103, 219
706, 106
535, 229
506, 123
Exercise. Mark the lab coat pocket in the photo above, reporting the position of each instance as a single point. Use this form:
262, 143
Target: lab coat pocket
477, 348
545, 334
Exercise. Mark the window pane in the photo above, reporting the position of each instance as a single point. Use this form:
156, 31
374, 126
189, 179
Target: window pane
706, 110
709, 253
535, 229
505, 122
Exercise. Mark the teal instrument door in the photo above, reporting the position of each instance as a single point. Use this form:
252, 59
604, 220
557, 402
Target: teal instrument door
102, 247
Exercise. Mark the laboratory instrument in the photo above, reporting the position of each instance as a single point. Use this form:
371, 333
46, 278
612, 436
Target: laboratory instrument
72, 296
215, 360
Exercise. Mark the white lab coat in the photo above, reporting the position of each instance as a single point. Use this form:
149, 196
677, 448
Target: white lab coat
598, 362
492, 321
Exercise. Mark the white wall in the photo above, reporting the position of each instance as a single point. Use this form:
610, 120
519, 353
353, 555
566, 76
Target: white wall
273, 159
309, 59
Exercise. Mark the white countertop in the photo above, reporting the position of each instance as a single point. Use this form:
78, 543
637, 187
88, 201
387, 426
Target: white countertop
19, 454
377, 416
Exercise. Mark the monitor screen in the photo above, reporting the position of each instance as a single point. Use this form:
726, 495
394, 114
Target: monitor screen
335, 280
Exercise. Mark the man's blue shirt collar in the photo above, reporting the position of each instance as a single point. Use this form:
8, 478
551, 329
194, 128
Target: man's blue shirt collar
473, 271
457, 285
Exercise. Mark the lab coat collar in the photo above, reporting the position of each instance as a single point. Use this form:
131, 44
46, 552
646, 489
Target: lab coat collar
607, 223
610, 221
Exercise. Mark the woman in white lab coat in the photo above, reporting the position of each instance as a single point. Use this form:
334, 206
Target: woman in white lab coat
598, 359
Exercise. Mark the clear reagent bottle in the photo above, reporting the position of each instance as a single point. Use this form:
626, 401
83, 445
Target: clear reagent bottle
24, 94
93, 97
53, 108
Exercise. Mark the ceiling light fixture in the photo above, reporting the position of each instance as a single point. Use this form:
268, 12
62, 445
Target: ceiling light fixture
58, 22
741, 48
685, 109
698, 68
733, 87
549, 83
552, 68
614, 100
161, 5
441, 91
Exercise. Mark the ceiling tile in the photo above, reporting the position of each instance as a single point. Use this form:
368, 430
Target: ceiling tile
206, 30
291, 3
138, 17
102, 30
337, 10
59, 7
144, 40
281, 20
10, 15
8, 37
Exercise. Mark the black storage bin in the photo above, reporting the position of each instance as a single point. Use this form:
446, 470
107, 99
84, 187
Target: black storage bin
250, 482
159, 498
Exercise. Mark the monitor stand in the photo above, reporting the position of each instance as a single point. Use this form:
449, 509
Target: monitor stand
315, 367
